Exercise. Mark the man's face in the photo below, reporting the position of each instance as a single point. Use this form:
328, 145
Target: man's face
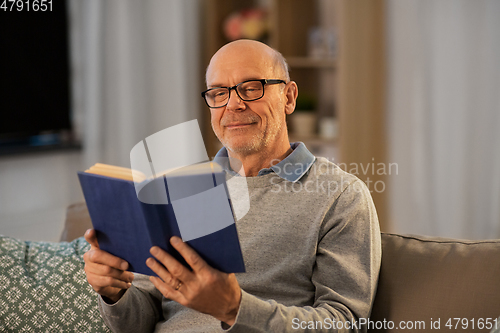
247, 127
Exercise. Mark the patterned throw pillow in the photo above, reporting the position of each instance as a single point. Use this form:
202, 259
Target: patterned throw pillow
43, 288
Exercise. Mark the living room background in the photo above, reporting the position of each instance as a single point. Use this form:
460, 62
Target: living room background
136, 70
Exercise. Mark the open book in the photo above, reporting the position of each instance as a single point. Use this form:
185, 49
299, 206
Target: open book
131, 213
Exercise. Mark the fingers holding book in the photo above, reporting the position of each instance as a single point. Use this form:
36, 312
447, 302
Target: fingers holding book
204, 289
105, 272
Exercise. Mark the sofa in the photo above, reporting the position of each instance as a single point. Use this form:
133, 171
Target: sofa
425, 284
453, 283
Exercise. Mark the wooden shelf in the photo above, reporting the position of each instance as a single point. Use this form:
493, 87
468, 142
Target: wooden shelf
307, 62
355, 96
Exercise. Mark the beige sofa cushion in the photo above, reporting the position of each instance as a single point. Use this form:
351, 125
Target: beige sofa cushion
77, 222
426, 277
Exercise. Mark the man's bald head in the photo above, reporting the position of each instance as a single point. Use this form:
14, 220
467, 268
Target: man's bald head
252, 48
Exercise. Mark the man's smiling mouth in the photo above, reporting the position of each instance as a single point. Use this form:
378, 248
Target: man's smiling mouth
238, 125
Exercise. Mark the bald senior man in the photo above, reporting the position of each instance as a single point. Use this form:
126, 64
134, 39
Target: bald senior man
310, 241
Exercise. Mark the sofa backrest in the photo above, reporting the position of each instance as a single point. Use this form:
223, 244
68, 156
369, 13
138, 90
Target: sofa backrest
429, 279
76, 223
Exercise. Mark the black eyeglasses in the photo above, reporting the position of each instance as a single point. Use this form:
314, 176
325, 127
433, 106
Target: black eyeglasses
247, 91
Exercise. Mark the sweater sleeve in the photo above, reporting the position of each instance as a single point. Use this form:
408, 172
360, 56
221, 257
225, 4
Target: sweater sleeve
138, 310
345, 274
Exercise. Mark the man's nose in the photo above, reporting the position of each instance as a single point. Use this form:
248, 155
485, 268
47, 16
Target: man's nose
235, 103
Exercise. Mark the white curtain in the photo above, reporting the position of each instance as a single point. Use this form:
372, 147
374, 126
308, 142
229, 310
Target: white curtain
444, 117
135, 72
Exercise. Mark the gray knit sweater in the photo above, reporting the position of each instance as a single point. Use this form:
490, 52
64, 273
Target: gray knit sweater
312, 255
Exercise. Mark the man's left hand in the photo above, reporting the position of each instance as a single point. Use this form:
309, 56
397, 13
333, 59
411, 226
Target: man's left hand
204, 289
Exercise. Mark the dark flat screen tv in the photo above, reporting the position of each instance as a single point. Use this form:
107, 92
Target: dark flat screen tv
34, 75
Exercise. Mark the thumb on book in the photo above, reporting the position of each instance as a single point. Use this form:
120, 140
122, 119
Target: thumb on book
91, 238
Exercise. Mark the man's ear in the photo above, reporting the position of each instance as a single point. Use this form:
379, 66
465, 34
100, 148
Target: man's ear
291, 93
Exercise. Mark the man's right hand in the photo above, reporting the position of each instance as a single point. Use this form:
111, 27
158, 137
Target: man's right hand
106, 273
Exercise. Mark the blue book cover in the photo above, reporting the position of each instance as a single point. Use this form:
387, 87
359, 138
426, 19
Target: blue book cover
197, 209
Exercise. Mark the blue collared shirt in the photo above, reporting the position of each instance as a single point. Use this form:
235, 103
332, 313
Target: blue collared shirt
291, 168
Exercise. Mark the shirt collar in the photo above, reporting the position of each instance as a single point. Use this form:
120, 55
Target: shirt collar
291, 168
